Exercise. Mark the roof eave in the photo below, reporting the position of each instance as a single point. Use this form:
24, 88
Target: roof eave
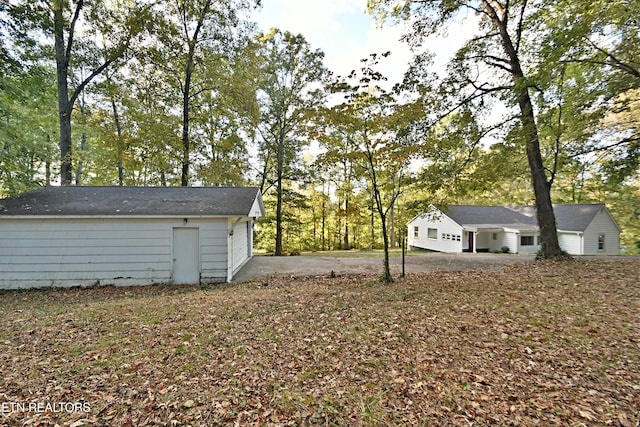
125, 216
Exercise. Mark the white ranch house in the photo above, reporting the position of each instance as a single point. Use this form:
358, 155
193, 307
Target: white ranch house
583, 229
83, 236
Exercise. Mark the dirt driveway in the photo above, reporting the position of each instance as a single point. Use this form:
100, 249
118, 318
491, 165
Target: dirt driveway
259, 267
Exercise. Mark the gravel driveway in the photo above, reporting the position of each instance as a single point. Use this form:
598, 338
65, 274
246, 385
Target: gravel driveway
309, 265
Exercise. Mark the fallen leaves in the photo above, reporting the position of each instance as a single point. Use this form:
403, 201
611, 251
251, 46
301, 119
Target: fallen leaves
533, 344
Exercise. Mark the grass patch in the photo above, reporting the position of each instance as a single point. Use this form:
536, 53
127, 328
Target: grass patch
534, 344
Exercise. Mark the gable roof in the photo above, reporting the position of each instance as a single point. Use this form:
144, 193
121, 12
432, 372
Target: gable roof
570, 217
578, 217
137, 201
491, 216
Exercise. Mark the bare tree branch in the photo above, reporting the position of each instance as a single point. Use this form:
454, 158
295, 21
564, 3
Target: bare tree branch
607, 147
520, 21
613, 61
558, 129
72, 27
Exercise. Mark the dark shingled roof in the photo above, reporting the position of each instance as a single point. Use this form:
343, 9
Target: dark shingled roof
148, 201
575, 217
489, 215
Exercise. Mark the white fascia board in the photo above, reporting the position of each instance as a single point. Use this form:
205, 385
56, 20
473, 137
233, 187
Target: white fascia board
578, 233
521, 230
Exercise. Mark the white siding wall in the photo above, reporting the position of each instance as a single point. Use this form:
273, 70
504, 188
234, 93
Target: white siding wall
483, 241
490, 243
81, 252
240, 245
528, 249
571, 242
602, 224
493, 245
213, 249
443, 224
510, 239
503, 238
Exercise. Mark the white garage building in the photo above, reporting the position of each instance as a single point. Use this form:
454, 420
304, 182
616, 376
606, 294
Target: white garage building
83, 236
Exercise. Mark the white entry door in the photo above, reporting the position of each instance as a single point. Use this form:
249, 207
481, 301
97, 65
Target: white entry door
186, 256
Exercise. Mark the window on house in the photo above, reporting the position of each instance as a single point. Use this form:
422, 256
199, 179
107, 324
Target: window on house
495, 236
601, 242
416, 231
527, 240
432, 233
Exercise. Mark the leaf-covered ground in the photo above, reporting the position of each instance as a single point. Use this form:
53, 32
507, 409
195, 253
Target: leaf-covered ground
533, 344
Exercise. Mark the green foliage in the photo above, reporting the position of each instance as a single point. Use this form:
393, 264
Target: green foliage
197, 43
92, 39
371, 130
557, 67
289, 94
260, 100
27, 129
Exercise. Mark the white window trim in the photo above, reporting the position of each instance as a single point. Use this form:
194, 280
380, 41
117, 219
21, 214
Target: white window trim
431, 232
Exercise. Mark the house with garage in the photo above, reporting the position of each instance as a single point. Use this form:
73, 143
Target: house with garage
83, 236
583, 229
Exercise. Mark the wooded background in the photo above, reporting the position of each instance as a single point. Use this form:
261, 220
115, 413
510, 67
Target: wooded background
177, 92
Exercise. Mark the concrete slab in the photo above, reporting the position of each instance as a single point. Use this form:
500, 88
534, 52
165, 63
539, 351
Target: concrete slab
259, 267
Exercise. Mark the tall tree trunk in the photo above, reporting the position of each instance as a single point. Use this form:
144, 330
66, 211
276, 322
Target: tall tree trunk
324, 217
83, 140
346, 246
392, 226
323, 226
280, 165
550, 247
80, 168
186, 94
47, 165
64, 106
373, 225
386, 275
315, 228
119, 144
185, 122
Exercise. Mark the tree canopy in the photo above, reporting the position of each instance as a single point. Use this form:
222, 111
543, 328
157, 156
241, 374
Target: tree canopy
527, 57
175, 93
